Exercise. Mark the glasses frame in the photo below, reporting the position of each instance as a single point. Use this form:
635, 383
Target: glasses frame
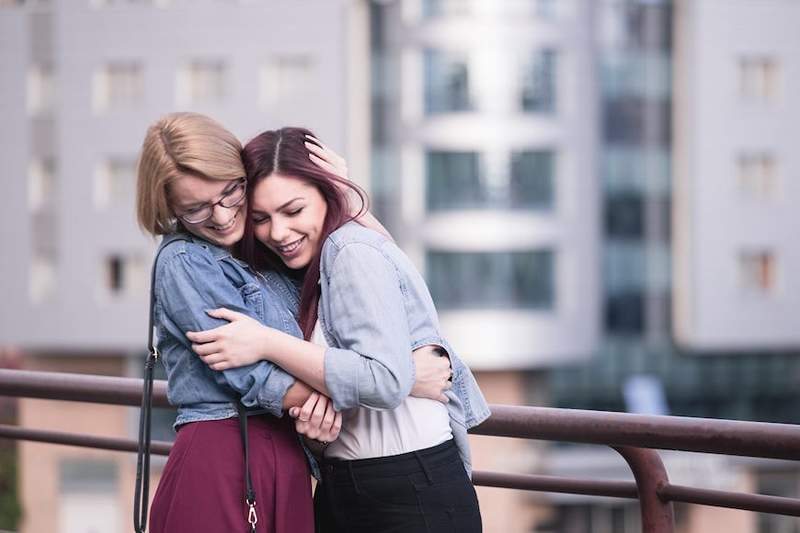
221, 202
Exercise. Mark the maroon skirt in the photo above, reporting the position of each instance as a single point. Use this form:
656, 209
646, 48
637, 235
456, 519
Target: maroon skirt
202, 486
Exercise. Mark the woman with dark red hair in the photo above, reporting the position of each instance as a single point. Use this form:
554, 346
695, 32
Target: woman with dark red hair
401, 463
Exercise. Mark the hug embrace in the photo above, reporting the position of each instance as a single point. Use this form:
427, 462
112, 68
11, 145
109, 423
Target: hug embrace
280, 301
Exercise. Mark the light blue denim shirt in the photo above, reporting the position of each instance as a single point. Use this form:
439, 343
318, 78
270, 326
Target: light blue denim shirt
374, 311
193, 276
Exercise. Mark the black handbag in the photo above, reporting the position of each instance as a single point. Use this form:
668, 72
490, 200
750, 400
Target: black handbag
141, 495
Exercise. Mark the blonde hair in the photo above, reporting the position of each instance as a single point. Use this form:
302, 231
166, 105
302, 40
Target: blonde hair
181, 144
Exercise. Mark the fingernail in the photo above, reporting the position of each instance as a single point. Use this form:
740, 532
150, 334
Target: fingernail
293, 412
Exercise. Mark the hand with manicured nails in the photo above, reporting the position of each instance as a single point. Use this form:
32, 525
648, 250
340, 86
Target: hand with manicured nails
432, 374
325, 158
238, 343
317, 419
330, 161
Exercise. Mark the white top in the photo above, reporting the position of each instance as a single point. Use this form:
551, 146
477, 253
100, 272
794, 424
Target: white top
415, 424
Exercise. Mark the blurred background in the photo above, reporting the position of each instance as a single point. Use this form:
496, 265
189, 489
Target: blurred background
601, 194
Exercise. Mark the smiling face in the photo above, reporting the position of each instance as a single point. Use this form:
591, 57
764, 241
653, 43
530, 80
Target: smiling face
288, 217
188, 194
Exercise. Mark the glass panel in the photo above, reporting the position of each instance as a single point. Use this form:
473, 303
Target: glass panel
539, 82
446, 82
454, 180
624, 216
636, 73
447, 8
499, 280
285, 81
532, 179
206, 81
458, 180
637, 121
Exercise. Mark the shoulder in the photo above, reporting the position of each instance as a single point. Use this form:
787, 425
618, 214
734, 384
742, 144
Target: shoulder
184, 250
353, 239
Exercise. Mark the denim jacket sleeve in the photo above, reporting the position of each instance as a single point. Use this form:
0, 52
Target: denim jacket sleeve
373, 366
192, 282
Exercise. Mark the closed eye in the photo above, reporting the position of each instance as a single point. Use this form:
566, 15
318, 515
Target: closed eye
295, 212
260, 219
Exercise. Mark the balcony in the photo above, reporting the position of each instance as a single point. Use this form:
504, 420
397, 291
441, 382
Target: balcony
637, 438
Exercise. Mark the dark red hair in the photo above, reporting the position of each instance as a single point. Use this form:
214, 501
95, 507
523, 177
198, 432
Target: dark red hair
284, 151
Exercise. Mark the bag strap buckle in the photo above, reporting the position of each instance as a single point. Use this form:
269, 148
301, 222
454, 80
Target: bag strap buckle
252, 517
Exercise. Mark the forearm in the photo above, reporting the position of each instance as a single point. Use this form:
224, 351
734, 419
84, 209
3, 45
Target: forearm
297, 395
302, 359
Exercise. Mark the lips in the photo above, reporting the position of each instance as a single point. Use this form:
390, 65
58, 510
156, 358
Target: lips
291, 249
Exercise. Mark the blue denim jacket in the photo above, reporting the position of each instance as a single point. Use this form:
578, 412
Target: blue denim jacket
193, 276
374, 311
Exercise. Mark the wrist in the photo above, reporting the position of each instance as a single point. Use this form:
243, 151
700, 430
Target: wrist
266, 343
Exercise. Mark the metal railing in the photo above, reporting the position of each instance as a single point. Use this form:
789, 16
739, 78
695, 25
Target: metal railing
635, 437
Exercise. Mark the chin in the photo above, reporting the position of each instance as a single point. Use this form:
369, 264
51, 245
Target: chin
298, 263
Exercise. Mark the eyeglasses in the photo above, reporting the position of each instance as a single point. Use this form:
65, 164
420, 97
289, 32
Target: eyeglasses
232, 198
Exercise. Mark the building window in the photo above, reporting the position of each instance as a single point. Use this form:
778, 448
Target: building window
286, 80
628, 73
757, 271
41, 184
454, 180
123, 275
446, 8
532, 179
757, 175
41, 90
42, 277
492, 280
539, 85
624, 313
447, 86
201, 82
115, 183
118, 85
758, 78
624, 216
637, 121
458, 180
545, 9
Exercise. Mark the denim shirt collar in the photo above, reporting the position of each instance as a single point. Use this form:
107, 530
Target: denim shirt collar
217, 252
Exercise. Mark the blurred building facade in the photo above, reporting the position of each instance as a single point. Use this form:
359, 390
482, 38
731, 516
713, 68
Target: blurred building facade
81, 80
735, 193
484, 165
673, 75
539, 160
445, 110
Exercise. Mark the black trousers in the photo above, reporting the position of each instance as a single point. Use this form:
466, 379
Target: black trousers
427, 491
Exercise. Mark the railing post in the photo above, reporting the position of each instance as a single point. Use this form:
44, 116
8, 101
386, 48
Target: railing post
650, 475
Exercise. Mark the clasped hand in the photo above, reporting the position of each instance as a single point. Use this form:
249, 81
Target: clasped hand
232, 345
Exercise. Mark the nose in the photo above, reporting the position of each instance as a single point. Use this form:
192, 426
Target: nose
223, 215
278, 230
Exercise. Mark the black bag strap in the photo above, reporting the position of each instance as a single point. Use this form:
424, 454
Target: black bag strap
141, 495
250, 493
